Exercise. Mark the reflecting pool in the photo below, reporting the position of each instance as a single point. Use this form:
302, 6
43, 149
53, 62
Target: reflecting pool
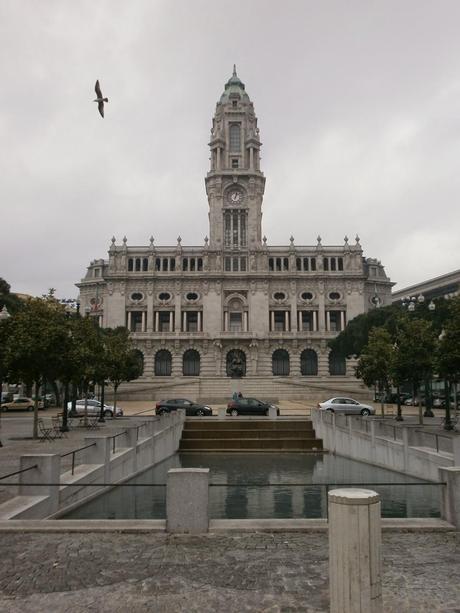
266, 486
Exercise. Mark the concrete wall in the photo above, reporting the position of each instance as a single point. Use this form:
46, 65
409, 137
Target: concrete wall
403, 449
136, 448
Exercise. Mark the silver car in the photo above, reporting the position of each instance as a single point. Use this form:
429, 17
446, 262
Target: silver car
346, 406
94, 408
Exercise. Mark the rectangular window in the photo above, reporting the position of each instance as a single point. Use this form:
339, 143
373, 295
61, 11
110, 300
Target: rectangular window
285, 263
280, 321
163, 321
340, 263
333, 264
235, 138
305, 264
136, 321
243, 228
313, 264
236, 321
270, 264
228, 264
325, 263
234, 162
298, 264
172, 264
307, 321
235, 264
227, 229
97, 272
243, 264
192, 321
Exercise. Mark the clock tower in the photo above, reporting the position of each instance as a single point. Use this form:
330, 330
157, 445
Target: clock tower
235, 183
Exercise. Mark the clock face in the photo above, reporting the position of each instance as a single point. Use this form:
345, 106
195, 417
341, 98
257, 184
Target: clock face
235, 196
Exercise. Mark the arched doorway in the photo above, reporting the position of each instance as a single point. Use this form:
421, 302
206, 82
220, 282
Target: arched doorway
236, 364
163, 363
280, 363
191, 363
308, 363
337, 364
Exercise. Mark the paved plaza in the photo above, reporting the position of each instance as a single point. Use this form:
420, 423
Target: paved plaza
283, 572
228, 572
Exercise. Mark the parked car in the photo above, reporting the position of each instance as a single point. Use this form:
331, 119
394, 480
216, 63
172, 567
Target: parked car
440, 403
392, 398
94, 408
249, 406
192, 409
346, 406
21, 403
411, 402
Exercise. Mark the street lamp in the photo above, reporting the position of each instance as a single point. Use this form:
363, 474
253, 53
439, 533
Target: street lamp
411, 303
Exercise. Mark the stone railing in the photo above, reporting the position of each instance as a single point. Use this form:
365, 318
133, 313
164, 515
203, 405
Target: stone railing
44, 492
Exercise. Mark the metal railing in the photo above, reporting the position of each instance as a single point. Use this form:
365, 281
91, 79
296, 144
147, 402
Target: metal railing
74, 452
17, 472
114, 437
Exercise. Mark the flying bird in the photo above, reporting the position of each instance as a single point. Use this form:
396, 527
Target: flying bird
100, 99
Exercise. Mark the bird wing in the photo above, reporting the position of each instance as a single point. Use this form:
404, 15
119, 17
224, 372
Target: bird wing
97, 89
100, 106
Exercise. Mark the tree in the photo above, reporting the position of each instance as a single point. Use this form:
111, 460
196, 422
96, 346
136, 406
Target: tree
375, 360
34, 341
7, 299
413, 358
123, 363
448, 357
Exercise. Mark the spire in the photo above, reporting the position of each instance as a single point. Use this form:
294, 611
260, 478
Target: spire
234, 70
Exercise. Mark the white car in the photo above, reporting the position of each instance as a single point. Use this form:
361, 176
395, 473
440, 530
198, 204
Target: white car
346, 406
94, 408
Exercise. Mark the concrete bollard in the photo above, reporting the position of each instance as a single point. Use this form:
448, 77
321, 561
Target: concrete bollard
456, 450
222, 412
272, 413
47, 472
355, 576
99, 453
450, 499
187, 496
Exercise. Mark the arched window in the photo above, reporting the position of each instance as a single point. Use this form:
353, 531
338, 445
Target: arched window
235, 137
308, 363
163, 363
145, 264
280, 363
191, 363
337, 365
130, 265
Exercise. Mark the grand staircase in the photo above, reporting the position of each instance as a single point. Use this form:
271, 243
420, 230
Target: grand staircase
249, 435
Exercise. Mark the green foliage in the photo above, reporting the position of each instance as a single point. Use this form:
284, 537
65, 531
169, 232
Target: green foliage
11, 301
448, 353
375, 360
122, 361
413, 359
355, 337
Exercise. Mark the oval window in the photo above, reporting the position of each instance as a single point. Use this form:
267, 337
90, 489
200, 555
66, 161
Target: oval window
192, 296
164, 296
306, 296
279, 296
136, 296
334, 296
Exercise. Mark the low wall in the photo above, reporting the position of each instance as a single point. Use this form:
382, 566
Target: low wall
404, 449
44, 491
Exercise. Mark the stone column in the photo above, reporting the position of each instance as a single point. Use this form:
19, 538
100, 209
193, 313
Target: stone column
245, 321
342, 320
157, 322
198, 325
225, 321
187, 494
129, 321
315, 321
47, 470
355, 574
184, 321
272, 321
321, 313
171, 321
294, 316
328, 321
144, 328
286, 321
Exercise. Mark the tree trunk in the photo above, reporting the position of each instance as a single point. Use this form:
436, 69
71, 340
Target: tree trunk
57, 393
382, 398
399, 416
85, 413
35, 432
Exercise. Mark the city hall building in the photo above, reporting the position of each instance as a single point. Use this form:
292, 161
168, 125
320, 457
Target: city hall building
235, 313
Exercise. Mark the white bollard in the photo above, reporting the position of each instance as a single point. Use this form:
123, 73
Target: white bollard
187, 500
355, 576
222, 412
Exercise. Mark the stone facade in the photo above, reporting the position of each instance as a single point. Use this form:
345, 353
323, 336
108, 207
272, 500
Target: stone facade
234, 306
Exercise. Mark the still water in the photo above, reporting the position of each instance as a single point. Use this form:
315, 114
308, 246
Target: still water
266, 486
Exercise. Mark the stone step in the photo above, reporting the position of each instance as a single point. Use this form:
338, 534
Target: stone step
233, 423
247, 434
237, 444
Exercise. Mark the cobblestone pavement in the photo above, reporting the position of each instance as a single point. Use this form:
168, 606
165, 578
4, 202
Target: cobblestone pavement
234, 573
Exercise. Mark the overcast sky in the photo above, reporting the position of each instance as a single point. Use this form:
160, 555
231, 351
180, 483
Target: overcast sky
359, 114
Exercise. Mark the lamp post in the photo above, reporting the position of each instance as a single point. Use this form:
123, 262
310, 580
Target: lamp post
411, 303
4, 315
72, 309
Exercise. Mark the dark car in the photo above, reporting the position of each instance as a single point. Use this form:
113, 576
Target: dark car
191, 408
249, 406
